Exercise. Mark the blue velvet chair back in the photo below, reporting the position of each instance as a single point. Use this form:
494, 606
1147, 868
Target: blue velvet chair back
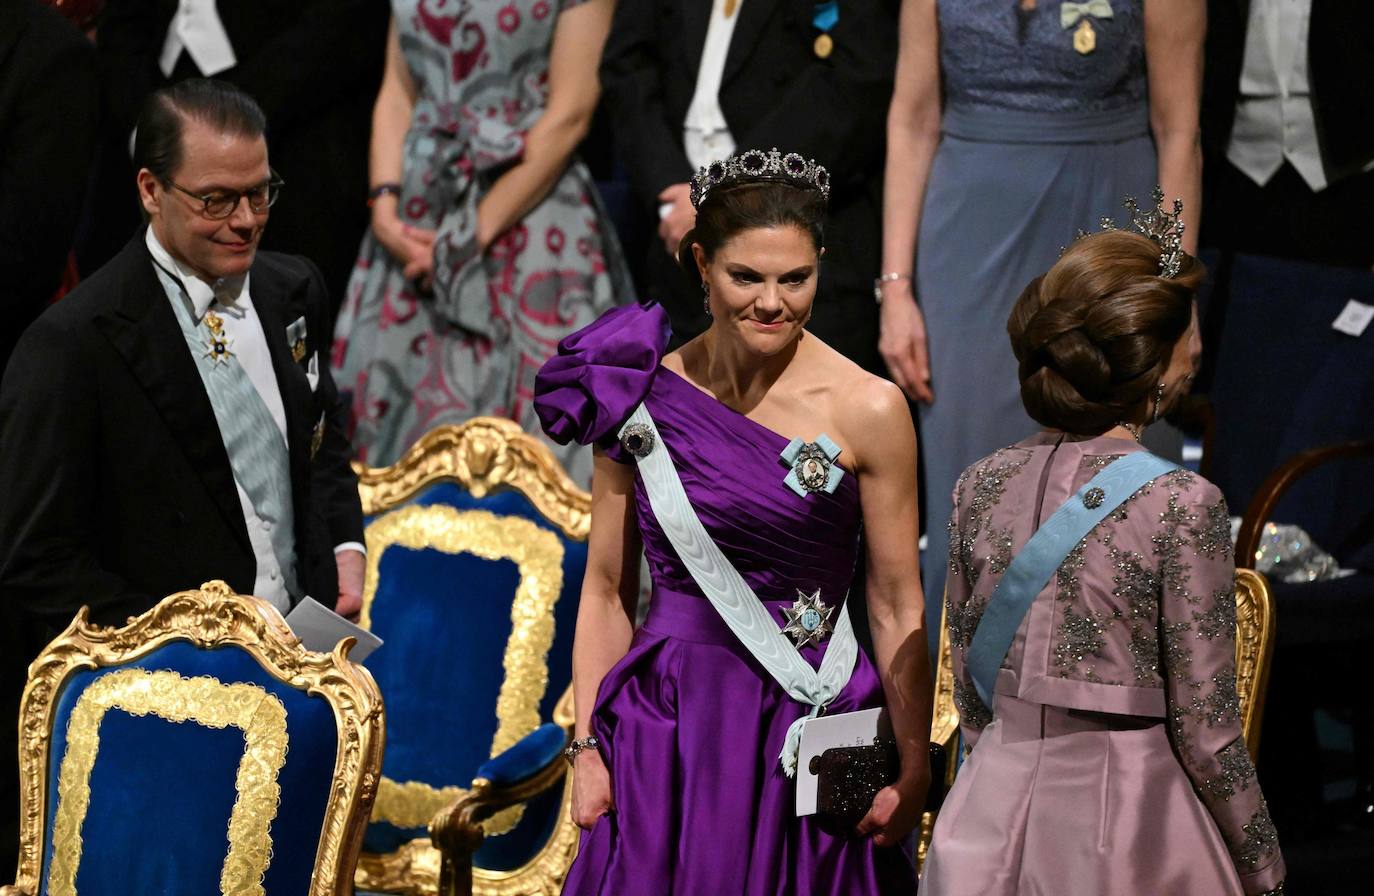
200, 749
1287, 381
476, 550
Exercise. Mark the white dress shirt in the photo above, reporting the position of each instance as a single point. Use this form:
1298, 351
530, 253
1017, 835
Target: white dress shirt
705, 135
1274, 119
197, 29
231, 300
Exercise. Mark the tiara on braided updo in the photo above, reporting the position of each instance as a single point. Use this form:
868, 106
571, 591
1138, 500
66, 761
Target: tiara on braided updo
1093, 335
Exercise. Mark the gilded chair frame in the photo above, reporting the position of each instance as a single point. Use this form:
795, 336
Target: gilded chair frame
208, 618
1254, 650
481, 455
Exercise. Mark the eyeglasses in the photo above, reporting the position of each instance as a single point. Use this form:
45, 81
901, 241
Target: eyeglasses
220, 204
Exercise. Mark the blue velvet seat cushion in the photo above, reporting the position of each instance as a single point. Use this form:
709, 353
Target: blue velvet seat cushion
161, 791
527, 757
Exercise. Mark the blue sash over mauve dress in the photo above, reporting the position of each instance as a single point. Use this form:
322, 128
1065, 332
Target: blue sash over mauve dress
690, 724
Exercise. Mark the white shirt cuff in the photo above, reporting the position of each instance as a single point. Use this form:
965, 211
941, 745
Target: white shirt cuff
350, 546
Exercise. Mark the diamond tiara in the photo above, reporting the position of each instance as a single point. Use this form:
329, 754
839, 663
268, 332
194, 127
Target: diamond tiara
1165, 228
757, 165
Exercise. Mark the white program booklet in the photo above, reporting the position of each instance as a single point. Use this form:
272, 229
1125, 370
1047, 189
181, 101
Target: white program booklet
321, 629
849, 729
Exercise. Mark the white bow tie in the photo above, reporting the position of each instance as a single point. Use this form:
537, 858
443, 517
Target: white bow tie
197, 29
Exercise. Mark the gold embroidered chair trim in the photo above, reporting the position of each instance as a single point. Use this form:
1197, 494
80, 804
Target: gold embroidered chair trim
538, 555
211, 618
206, 701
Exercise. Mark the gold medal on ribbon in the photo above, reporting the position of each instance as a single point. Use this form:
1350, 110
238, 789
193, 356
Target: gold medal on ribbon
1085, 38
218, 347
823, 46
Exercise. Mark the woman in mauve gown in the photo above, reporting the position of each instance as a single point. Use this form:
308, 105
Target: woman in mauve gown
683, 792
1111, 760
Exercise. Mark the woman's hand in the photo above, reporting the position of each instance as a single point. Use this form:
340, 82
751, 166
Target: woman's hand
902, 340
897, 808
591, 796
412, 247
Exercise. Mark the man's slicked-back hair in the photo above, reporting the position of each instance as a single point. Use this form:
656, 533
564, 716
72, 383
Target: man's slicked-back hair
217, 104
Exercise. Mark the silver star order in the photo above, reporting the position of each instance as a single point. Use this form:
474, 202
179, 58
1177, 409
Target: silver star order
808, 619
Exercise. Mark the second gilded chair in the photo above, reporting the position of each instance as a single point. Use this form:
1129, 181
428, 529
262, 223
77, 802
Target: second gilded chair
476, 549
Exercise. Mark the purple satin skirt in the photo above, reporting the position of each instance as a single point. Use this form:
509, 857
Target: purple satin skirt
693, 727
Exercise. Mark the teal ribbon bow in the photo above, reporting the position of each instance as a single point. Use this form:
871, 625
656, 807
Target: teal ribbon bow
826, 15
1070, 13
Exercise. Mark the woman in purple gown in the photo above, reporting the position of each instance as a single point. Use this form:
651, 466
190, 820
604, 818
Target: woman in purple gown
683, 792
1109, 759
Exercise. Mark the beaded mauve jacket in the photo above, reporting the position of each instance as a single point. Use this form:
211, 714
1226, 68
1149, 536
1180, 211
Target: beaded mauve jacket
1140, 619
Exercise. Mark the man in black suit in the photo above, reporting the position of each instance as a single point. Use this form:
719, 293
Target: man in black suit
49, 95
313, 65
789, 77
1286, 129
172, 420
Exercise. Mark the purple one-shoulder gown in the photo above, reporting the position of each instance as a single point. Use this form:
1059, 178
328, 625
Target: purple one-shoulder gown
690, 724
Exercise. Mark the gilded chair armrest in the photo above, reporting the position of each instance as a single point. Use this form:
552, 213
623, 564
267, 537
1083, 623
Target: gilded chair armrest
15, 890
525, 770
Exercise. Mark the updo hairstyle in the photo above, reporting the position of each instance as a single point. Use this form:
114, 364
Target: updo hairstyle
729, 210
1094, 334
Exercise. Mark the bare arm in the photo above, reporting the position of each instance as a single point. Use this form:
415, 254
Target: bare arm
1174, 35
411, 246
913, 134
610, 588
605, 621
573, 91
896, 607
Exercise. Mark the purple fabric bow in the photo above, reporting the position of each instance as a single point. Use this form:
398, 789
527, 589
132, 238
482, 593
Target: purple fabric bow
600, 374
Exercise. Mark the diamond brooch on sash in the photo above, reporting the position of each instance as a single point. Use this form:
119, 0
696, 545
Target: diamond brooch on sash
808, 619
637, 439
219, 344
813, 465
1093, 498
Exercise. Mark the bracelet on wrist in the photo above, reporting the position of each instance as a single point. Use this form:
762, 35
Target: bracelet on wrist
381, 190
878, 283
578, 746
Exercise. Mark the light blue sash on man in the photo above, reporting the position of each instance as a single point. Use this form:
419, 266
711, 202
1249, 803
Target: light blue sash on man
736, 602
1032, 568
257, 451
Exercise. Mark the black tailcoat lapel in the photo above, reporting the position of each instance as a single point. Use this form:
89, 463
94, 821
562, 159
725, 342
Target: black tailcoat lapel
143, 329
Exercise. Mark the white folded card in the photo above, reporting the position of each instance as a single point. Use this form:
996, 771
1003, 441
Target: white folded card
321, 629
848, 729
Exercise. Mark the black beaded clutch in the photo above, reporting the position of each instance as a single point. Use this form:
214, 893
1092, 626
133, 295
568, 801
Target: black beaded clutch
848, 778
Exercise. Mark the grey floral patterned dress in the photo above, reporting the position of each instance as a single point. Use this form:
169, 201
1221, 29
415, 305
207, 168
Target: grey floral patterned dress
1111, 761
413, 361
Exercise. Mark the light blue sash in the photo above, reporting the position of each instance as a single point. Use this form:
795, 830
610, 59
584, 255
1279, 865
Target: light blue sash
1032, 568
736, 602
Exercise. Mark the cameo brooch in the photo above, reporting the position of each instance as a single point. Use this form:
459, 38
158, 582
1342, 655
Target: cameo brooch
638, 439
808, 619
812, 465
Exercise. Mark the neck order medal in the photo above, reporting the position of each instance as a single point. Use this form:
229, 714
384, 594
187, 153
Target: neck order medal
219, 344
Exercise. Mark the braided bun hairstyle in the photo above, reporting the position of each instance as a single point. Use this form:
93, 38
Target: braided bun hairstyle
1094, 334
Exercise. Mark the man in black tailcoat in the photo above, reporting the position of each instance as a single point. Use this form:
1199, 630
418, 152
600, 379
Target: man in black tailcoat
172, 420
